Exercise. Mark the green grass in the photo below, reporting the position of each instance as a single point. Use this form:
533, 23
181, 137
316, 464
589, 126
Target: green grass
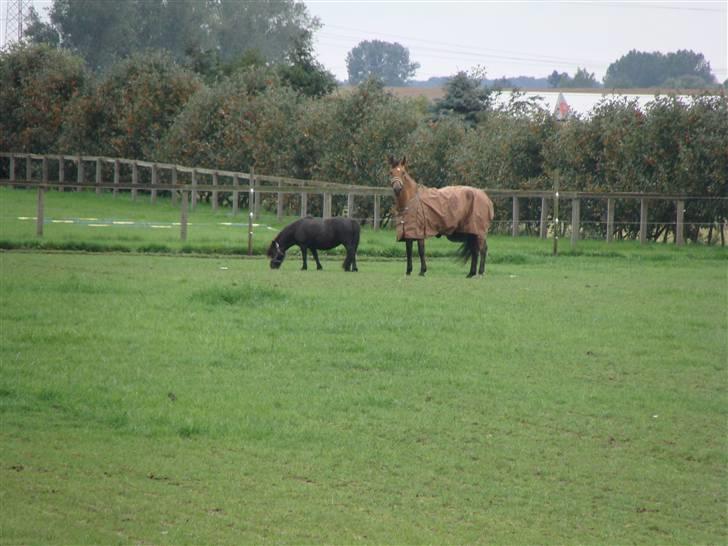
220, 233
183, 400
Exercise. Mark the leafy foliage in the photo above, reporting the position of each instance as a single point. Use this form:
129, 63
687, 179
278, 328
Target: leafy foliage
39, 82
130, 109
582, 79
247, 121
641, 69
465, 96
104, 32
386, 61
303, 73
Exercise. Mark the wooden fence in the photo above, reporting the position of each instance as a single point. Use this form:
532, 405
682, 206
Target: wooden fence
186, 184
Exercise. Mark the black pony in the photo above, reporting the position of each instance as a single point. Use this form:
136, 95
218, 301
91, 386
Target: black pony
315, 234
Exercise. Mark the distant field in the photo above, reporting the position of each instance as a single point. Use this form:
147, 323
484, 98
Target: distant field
176, 400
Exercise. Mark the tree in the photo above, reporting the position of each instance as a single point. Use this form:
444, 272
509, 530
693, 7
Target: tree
465, 96
582, 78
555, 78
103, 32
41, 82
388, 62
640, 69
130, 109
38, 31
303, 73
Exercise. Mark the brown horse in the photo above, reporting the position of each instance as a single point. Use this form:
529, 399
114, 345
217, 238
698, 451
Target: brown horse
461, 213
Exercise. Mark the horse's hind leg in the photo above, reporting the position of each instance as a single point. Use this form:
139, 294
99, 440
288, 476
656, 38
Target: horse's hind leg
350, 263
472, 246
315, 257
483, 256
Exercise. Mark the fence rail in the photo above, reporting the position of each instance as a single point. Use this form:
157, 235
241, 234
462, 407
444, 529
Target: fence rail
188, 183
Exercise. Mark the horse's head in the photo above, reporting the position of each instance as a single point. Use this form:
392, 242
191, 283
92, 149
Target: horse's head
397, 174
276, 254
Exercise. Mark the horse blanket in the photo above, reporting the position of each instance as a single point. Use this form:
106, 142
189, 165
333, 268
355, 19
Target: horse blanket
444, 211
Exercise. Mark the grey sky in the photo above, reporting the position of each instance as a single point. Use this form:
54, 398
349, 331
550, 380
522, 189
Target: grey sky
530, 38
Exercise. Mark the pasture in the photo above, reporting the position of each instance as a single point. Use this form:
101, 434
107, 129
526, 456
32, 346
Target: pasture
186, 400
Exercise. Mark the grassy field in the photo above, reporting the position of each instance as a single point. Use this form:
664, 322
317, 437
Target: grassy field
167, 399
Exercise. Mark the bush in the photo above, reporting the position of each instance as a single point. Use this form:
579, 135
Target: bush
130, 109
38, 84
247, 121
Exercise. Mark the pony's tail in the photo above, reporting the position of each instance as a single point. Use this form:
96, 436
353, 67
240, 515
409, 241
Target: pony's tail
470, 244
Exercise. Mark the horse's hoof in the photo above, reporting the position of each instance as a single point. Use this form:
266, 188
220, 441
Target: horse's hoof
422, 273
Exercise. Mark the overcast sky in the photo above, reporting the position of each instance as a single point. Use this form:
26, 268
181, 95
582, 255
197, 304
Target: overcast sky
529, 38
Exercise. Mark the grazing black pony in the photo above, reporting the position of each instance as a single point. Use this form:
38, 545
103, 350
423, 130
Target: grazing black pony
315, 234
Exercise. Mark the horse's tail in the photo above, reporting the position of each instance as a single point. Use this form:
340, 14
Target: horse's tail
468, 248
491, 210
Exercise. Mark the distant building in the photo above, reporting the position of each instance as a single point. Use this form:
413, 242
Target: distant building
562, 110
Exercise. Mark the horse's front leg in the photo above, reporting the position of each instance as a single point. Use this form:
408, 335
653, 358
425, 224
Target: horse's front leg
421, 251
408, 246
315, 257
304, 253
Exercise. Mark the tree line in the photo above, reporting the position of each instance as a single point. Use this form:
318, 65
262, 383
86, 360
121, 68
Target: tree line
150, 106
214, 37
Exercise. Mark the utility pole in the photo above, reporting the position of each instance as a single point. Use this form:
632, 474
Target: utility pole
14, 18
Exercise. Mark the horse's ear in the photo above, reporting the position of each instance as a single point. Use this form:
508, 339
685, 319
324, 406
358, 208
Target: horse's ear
404, 160
392, 161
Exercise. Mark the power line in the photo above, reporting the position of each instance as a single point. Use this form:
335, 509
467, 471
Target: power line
460, 48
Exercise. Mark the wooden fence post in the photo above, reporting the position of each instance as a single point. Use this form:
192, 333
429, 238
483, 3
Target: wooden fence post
183, 215
543, 226
377, 204
40, 211
679, 223
214, 191
327, 205
251, 212
193, 203
79, 173
643, 221
610, 219
44, 170
28, 168
350, 205
174, 183
516, 217
117, 174
12, 169
40, 208
256, 196
279, 204
98, 176
236, 194
155, 181
304, 203
61, 173
134, 179
575, 220
557, 227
